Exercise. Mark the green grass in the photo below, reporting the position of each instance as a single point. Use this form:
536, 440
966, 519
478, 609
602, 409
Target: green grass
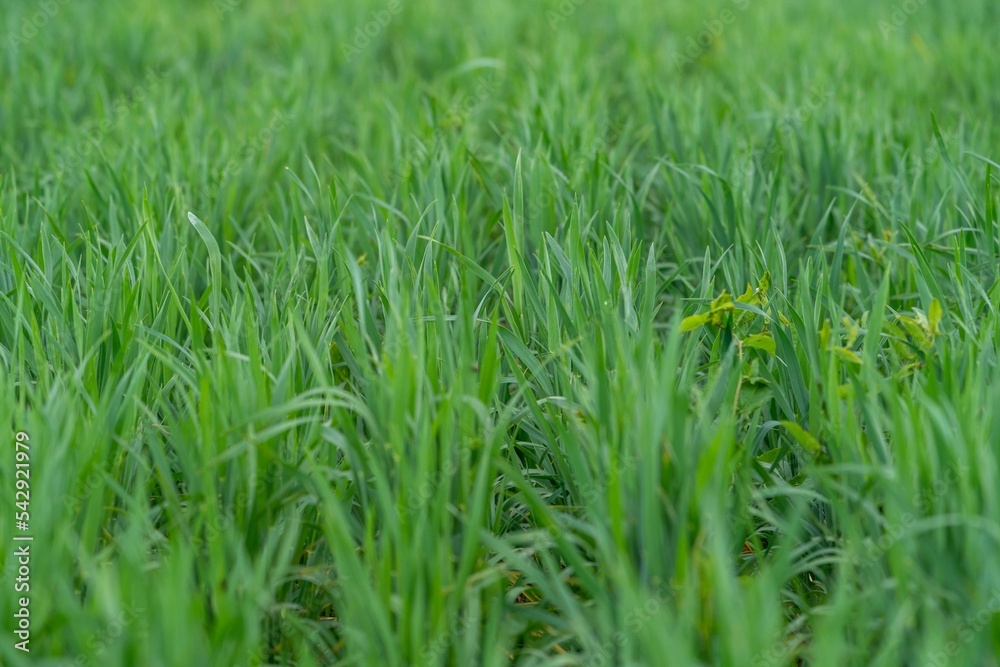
352, 349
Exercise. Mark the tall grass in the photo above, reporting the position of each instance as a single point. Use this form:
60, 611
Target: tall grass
388, 351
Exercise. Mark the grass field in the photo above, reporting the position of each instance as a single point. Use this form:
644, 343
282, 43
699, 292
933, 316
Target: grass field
484, 333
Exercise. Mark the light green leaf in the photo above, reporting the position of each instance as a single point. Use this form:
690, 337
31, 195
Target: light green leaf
720, 306
764, 285
749, 296
917, 330
934, 315
848, 355
803, 437
853, 330
770, 456
695, 321
722, 303
760, 342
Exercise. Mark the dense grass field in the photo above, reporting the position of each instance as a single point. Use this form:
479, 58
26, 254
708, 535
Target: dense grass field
485, 333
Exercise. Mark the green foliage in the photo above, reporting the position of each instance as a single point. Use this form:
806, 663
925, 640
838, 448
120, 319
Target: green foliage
354, 333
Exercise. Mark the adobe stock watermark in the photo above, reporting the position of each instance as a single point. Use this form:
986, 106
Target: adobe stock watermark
695, 47
225, 519
894, 532
783, 648
967, 630
593, 491
102, 640
33, 24
915, 167
73, 503
435, 650
929, 156
259, 656
251, 148
636, 620
421, 496
601, 653
364, 34
900, 14
565, 10
609, 134
223, 7
267, 478
485, 87
95, 132
790, 122
779, 652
